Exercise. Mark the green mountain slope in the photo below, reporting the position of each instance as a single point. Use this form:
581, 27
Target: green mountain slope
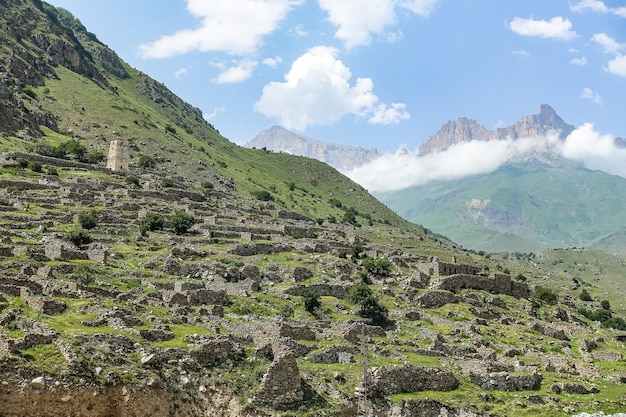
521, 207
210, 279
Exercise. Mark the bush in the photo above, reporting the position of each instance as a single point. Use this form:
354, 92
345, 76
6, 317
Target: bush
262, 195
145, 161
95, 156
207, 185
311, 300
585, 296
182, 221
73, 147
52, 171
545, 295
605, 304
167, 182
170, 128
150, 222
380, 267
78, 237
378, 314
88, 220
35, 166
359, 293
132, 180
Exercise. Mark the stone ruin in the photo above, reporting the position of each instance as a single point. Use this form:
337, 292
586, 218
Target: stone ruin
118, 158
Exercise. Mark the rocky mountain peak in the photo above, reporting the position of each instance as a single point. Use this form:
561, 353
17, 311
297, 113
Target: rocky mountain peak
465, 130
341, 157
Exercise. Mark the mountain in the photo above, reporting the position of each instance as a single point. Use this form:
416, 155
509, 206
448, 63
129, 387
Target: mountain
522, 207
342, 157
465, 130
182, 275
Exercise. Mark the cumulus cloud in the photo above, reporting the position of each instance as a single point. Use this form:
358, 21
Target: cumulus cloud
609, 45
180, 73
236, 73
617, 66
555, 28
589, 94
318, 90
404, 169
521, 52
273, 62
581, 62
597, 6
358, 20
236, 27
214, 113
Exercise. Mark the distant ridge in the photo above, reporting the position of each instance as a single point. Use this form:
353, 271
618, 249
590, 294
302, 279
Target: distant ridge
466, 130
341, 157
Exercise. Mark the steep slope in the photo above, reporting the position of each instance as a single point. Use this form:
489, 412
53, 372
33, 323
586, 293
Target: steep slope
341, 157
215, 280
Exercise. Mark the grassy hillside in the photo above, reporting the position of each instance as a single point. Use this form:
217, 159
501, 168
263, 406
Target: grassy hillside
210, 279
521, 207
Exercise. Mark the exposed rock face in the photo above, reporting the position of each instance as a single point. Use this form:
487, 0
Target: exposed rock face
427, 408
504, 381
466, 130
341, 157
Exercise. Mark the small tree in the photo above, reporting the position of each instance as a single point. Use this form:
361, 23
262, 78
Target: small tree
150, 222
545, 295
311, 300
605, 304
585, 296
182, 222
359, 293
88, 220
78, 237
377, 313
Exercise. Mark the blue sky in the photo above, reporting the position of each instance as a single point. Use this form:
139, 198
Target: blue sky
374, 73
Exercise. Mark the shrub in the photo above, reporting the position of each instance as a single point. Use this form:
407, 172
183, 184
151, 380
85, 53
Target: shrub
28, 90
585, 296
170, 128
545, 295
35, 166
88, 220
207, 185
262, 195
23, 163
73, 147
359, 293
605, 304
521, 277
78, 237
378, 314
52, 171
150, 222
167, 182
145, 161
95, 156
380, 267
132, 180
182, 221
311, 300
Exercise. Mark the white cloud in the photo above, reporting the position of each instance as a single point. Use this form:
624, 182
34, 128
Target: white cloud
215, 112
555, 28
235, 74
581, 62
405, 169
359, 20
597, 6
617, 66
384, 114
419, 7
317, 90
234, 26
595, 151
273, 62
183, 71
609, 45
589, 94
522, 52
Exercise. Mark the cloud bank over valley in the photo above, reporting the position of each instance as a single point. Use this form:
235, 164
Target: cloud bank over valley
585, 145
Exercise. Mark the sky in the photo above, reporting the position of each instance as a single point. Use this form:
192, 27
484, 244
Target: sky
374, 73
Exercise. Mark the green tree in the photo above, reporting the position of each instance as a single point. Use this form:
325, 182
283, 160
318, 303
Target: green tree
585, 296
545, 295
359, 293
182, 222
88, 220
78, 237
375, 312
311, 300
150, 222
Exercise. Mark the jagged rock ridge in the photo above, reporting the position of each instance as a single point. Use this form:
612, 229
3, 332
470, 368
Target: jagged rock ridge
341, 157
465, 130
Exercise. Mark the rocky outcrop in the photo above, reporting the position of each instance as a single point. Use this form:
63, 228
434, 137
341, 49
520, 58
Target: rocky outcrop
341, 157
465, 130
504, 381
281, 387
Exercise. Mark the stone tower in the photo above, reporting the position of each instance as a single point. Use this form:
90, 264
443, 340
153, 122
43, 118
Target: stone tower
118, 155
